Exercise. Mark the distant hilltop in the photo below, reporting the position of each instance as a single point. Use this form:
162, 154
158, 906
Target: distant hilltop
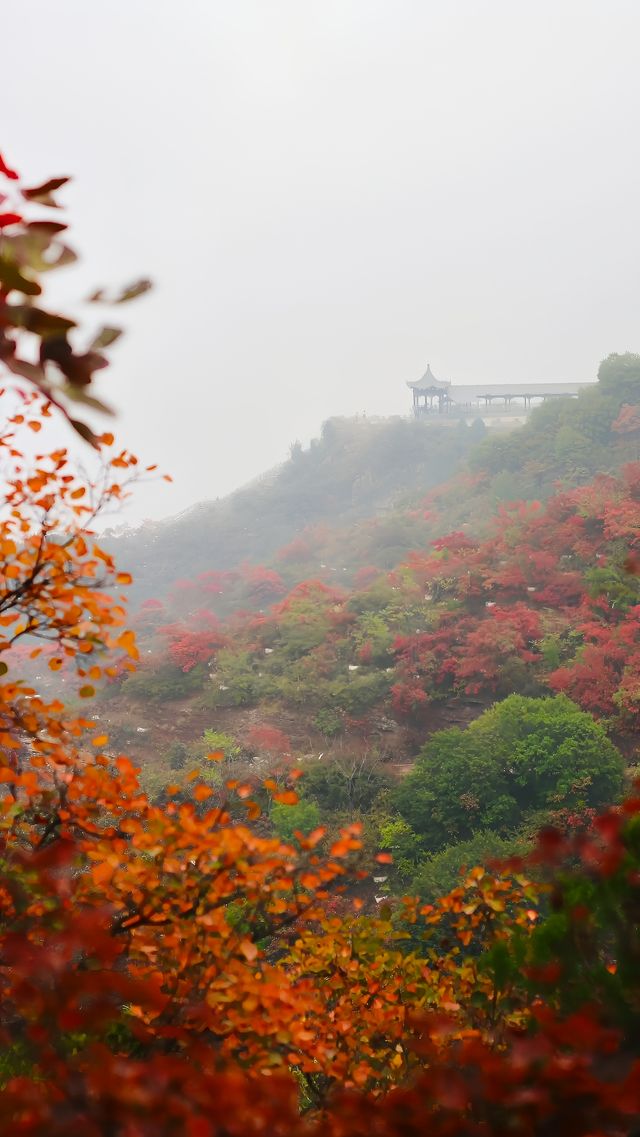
493, 402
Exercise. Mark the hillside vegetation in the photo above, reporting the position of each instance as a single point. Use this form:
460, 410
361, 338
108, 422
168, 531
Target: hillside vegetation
357, 469
350, 667
372, 650
368, 492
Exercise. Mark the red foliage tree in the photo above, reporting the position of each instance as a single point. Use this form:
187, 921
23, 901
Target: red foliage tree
195, 641
264, 585
265, 739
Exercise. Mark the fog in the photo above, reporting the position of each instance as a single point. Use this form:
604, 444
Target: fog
328, 196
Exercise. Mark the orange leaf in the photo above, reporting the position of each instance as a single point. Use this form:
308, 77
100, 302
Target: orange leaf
102, 872
384, 859
215, 756
287, 797
100, 740
127, 641
249, 950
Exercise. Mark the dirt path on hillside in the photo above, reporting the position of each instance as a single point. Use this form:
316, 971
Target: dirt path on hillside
147, 731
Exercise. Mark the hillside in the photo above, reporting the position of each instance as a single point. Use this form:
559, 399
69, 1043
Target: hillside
358, 469
351, 664
368, 492
352, 682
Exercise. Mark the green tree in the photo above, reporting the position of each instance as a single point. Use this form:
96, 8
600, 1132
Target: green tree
236, 679
403, 842
620, 375
328, 722
521, 756
303, 817
218, 740
164, 682
178, 756
346, 782
441, 872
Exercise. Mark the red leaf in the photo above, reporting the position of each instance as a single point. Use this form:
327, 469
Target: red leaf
42, 194
7, 171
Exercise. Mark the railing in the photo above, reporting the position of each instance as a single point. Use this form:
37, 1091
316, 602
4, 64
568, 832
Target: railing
478, 410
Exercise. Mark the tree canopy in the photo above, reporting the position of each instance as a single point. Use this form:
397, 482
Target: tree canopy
522, 756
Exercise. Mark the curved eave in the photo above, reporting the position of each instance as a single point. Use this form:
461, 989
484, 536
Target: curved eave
417, 385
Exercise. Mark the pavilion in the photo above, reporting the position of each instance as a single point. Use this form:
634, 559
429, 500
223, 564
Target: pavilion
440, 396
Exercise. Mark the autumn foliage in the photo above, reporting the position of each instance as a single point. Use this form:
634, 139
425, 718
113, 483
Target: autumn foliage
166, 968
548, 602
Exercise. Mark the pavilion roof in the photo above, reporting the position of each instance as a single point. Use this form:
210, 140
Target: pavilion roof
429, 382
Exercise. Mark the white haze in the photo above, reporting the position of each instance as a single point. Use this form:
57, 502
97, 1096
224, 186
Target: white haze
328, 195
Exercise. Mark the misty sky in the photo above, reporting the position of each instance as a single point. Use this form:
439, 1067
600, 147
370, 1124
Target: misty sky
328, 195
